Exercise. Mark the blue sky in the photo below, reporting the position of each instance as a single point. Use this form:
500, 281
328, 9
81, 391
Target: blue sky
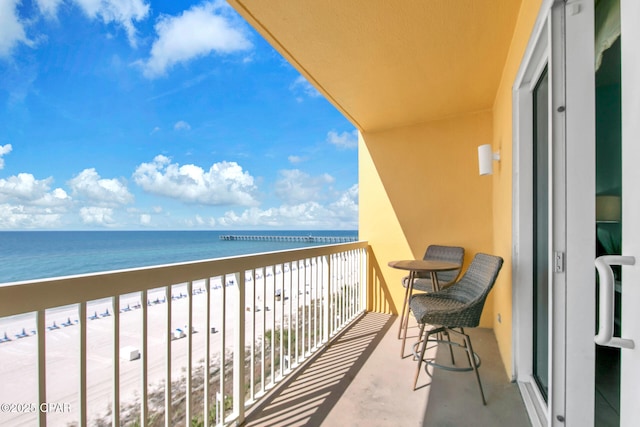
138, 114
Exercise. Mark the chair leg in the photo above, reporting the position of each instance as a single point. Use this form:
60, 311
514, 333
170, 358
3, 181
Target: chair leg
421, 331
404, 319
405, 315
422, 351
404, 306
446, 332
404, 337
472, 362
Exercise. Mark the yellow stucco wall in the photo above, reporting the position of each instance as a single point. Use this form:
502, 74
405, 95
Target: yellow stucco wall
419, 185
502, 180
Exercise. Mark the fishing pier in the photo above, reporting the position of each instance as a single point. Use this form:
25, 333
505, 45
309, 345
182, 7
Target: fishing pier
301, 239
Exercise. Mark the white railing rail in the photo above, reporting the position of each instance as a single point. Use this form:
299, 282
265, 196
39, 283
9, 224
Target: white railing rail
195, 342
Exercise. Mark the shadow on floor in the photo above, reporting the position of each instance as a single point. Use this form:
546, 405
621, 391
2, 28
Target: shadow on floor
308, 396
361, 380
455, 399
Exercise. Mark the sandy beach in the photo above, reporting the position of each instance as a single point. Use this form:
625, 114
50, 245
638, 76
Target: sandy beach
18, 356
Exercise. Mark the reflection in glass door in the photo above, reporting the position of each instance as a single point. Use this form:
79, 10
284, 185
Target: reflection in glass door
541, 233
608, 221
608, 194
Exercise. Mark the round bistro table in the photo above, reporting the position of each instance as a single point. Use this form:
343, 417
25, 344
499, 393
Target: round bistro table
415, 266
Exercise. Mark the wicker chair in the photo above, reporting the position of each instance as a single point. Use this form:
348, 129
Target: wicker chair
455, 308
422, 282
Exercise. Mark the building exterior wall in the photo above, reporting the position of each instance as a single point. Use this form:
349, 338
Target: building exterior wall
419, 185
502, 178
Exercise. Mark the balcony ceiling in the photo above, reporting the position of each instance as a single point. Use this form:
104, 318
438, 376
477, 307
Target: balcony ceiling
386, 64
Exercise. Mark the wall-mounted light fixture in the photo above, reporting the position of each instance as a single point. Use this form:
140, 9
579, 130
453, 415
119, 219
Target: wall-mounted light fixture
486, 158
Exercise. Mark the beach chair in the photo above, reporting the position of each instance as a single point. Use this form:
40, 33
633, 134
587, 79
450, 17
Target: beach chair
53, 327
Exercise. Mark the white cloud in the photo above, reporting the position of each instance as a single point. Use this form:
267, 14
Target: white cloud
346, 207
302, 206
224, 183
26, 202
20, 216
122, 12
296, 159
95, 215
49, 8
57, 197
344, 140
251, 218
182, 125
199, 222
25, 189
145, 219
4, 149
199, 31
295, 186
11, 28
341, 214
105, 192
302, 86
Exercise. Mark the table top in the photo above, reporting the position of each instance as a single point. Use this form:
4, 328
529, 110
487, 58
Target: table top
424, 265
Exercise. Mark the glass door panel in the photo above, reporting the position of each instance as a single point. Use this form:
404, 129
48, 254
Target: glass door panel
541, 233
619, 362
608, 221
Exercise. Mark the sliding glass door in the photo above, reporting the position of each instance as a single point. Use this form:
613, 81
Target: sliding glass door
540, 201
554, 215
623, 371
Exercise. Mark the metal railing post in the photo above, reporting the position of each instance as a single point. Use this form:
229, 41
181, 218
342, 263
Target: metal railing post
239, 353
207, 352
168, 395
116, 362
327, 299
42, 366
189, 372
83, 363
144, 407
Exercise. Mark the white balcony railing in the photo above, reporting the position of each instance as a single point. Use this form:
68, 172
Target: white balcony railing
184, 344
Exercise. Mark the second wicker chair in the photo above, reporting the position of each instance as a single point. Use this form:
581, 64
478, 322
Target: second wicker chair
457, 307
454, 254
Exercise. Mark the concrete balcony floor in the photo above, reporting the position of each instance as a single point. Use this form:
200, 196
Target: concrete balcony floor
361, 380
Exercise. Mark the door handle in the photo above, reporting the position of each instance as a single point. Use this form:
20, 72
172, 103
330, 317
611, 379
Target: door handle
607, 299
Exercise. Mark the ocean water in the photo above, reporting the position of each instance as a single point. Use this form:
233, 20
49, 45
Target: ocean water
27, 255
